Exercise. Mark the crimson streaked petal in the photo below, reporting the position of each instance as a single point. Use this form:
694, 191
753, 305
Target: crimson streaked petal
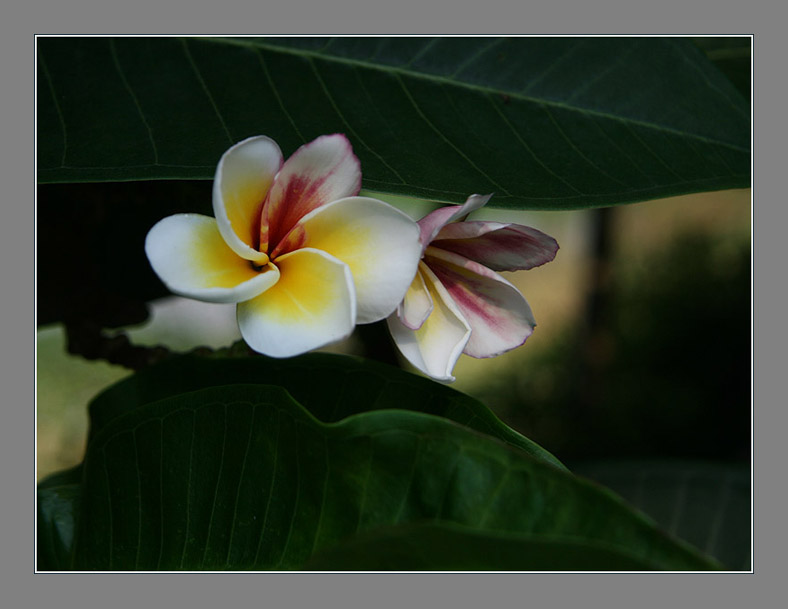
243, 178
498, 314
318, 173
433, 222
500, 247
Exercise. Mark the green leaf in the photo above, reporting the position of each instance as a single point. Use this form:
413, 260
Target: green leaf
449, 547
733, 56
58, 507
544, 123
242, 477
707, 504
331, 387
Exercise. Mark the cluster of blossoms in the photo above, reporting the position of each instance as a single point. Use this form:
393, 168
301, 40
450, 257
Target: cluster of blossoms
306, 259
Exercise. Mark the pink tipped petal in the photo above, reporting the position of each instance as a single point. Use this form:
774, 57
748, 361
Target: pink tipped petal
312, 305
190, 256
501, 247
378, 242
495, 310
437, 345
417, 304
243, 177
319, 172
433, 222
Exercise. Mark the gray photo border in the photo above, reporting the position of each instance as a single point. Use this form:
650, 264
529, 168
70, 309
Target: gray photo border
23, 588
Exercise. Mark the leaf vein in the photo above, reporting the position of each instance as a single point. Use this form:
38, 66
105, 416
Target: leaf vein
275, 91
403, 71
188, 490
554, 64
363, 500
297, 483
737, 107
240, 484
216, 488
205, 89
58, 109
411, 476
491, 499
617, 147
161, 493
479, 52
334, 105
448, 142
127, 86
602, 73
716, 526
271, 485
110, 536
528, 148
577, 150
323, 498
654, 154
139, 498
422, 51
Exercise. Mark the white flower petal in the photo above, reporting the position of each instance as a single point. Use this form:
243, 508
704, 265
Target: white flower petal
437, 345
417, 304
243, 178
431, 224
190, 256
496, 311
312, 305
319, 172
378, 242
500, 247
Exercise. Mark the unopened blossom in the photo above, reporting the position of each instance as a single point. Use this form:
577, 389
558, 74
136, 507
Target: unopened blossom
457, 302
304, 258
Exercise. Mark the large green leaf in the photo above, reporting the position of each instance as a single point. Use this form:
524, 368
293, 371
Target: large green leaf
733, 56
57, 509
544, 123
433, 547
707, 504
330, 387
242, 477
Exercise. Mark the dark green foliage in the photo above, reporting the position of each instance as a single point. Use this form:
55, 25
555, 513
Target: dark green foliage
243, 477
545, 123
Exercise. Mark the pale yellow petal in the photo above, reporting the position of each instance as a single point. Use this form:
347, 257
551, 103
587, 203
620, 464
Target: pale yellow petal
378, 242
437, 345
190, 256
312, 305
243, 178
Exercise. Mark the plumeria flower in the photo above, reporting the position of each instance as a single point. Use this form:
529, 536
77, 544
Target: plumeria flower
457, 302
304, 258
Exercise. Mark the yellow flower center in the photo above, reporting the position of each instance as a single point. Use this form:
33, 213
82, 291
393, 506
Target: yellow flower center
258, 265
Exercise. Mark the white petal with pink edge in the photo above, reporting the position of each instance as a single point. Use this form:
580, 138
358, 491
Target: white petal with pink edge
431, 224
496, 311
312, 305
500, 247
437, 345
190, 256
319, 172
417, 304
378, 242
243, 178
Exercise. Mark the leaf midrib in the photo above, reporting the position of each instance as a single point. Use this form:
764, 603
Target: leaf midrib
469, 86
